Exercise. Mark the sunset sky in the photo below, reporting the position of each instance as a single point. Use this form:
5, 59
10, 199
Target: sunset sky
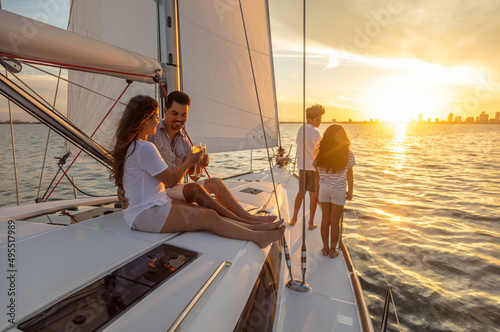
378, 59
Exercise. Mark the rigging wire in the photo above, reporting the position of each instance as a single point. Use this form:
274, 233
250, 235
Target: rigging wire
265, 139
378, 264
73, 83
81, 150
53, 105
40, 98
304, 249
13, 145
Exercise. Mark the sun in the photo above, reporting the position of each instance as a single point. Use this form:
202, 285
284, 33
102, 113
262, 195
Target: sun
404, 103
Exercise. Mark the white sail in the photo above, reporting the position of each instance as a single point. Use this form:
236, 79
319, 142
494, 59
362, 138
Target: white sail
135, 30
229, 87
216, 71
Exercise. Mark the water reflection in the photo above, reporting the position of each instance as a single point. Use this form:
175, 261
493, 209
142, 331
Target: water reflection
399, 146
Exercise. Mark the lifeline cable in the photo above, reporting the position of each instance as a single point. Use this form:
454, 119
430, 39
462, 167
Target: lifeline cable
378, 264
129, 82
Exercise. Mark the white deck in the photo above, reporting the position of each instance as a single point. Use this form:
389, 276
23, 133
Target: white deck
331, 294
53, 262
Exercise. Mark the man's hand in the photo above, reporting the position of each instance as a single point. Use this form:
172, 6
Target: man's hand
120, 192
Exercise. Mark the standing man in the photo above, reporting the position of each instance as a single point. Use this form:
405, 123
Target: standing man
306, 171
174, 147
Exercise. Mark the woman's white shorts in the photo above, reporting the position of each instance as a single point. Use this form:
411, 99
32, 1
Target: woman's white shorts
152, 219
328, 194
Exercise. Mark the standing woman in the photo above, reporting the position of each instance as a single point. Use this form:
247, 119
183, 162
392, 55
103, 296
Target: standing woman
334, 161
139, 168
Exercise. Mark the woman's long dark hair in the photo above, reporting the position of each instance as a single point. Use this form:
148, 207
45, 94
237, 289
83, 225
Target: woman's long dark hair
332, 152
138, 110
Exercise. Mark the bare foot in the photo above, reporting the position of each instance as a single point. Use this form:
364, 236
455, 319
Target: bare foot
334, 253
268, 237
265, 226
293, 221
312, 226
325, 251
262, 219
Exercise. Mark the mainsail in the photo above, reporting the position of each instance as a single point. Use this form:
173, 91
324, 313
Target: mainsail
128, 24
229, 86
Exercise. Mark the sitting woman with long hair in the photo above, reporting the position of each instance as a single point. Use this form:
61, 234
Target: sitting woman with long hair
333, 162
139, 168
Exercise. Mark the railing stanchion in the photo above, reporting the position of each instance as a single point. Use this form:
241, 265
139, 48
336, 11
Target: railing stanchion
385, 314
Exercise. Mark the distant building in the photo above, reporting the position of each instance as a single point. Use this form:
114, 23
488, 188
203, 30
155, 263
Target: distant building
469, 119
483, 117
458, 119
497, 117
450, 118
436, 120
420, 117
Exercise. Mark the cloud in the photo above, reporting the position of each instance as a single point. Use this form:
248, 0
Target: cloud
445, 32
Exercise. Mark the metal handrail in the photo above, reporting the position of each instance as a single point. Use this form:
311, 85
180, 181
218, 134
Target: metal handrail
198, 295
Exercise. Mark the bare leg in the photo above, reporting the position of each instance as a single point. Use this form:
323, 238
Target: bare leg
296, 207
193, 192
325, 227
217, 187
312, 211
336, 215
185, 217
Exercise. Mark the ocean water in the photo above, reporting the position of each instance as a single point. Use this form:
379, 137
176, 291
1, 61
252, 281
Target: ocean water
425, 216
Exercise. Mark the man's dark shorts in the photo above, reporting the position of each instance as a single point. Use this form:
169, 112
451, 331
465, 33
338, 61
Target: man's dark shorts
309, 181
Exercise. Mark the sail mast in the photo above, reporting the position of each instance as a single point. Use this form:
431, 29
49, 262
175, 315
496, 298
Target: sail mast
168, 44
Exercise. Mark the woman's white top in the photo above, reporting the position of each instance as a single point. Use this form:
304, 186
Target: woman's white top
142, 189
336, 180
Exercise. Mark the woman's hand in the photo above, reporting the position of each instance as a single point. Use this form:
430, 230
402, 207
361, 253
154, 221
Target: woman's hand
348, 195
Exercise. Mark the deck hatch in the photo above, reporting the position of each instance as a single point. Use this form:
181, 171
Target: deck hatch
253, 191
96, 305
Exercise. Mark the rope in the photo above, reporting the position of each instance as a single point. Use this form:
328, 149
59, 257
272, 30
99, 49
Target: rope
378, 264
129, 82
75, 186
